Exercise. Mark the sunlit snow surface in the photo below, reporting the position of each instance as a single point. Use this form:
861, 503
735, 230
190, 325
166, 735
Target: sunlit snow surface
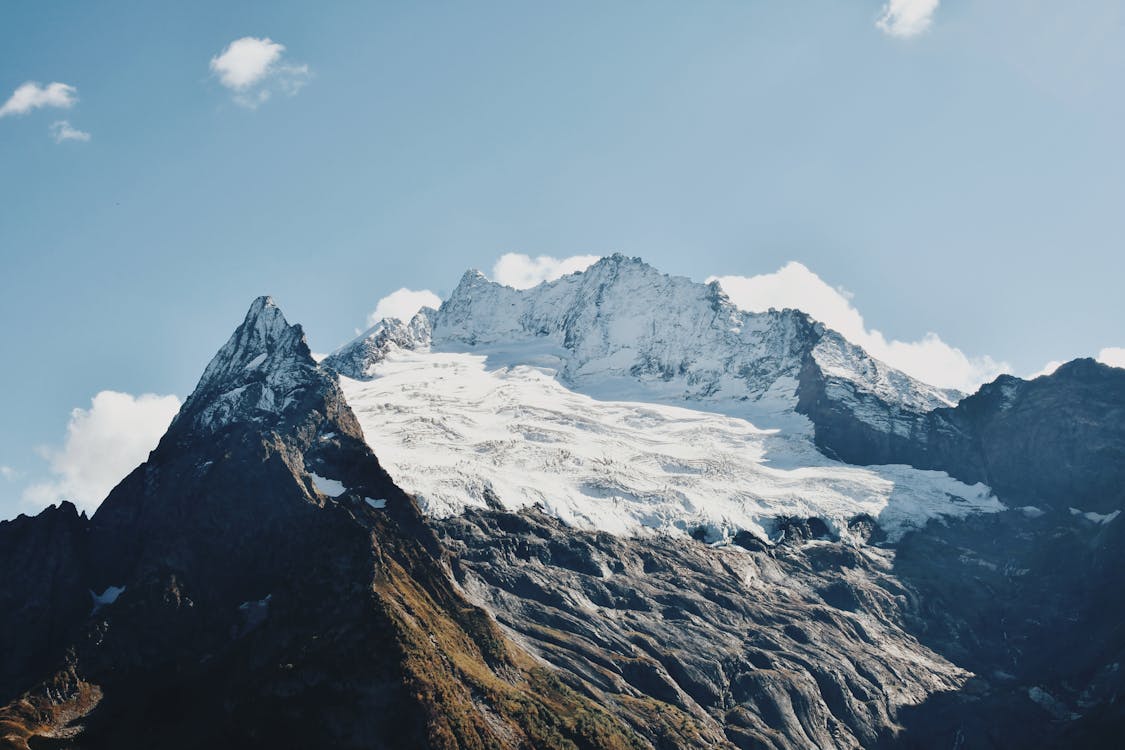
457, 428
326, 486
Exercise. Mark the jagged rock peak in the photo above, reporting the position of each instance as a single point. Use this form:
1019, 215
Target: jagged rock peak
623, 318
264, 335
359, 357
471, 278
258, 372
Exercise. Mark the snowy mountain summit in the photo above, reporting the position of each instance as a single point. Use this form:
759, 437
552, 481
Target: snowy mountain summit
262, 371
622, 322
623, 399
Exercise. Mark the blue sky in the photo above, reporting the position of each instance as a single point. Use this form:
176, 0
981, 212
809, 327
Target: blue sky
965, 180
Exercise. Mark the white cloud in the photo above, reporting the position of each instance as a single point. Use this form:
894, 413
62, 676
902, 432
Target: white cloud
253, 69
64, 131
929, 359
31, 96
907, 18
103, 444
8, 473
403, 304
1048, 368
523, 272
246, 61
1114, 356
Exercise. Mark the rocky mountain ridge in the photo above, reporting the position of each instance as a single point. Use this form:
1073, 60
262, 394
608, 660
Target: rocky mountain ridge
621, 318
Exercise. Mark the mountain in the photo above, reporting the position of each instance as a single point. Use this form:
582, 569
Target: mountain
621, 318
611, 511
261, 582
618, 414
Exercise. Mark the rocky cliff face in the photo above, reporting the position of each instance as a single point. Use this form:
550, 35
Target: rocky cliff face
795, 646
1057, 441
43, 590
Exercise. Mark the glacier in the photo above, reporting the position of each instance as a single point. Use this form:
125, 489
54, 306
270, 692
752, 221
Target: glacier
624, 400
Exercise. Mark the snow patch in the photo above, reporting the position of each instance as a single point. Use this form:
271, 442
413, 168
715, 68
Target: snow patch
325, 486
376, 504
1099, 518
1050, 703
252, 364
106, 598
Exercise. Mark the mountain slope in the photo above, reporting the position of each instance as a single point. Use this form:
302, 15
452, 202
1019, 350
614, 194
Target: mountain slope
272, 587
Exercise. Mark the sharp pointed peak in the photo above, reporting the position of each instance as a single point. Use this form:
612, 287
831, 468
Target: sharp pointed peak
261, 303
265, 351
264, 310
473, 277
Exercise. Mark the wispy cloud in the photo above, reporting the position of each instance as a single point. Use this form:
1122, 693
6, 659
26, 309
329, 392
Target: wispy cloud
31, 96
253, 69
102, 445
8, 473
403, 304
907, 18
62, 130
523, 272
929, 359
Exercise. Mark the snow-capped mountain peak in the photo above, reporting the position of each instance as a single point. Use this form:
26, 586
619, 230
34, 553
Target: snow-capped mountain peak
359, 358
622, 322
622, 398
259, 373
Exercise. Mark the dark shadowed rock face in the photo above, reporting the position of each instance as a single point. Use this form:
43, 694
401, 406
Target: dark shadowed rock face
1029, 599
265, 584
42, 589
1031, 604
1056, 441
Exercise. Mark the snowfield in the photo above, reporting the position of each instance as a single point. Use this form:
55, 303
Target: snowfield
625, 400
471, 428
